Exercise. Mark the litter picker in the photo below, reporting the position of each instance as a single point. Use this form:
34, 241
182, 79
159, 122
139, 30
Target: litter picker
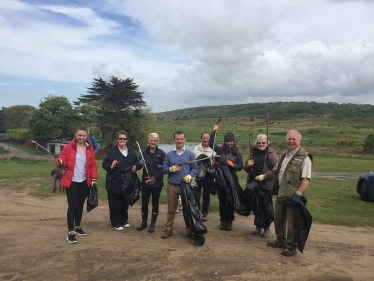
215, 134
267, 130
174, 119
201, 159
54, 155
249, 139
145, 164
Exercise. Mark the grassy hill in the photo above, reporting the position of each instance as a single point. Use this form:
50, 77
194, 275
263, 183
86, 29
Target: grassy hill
328, 127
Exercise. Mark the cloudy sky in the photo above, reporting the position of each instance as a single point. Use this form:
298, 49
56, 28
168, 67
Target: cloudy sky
189, 53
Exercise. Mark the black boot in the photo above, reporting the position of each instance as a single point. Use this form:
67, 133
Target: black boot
143, 225
153, 221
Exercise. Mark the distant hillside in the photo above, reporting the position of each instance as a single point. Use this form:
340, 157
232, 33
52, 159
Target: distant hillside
282, 110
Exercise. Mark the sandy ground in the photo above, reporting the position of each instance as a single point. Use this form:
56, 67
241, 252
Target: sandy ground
33, 246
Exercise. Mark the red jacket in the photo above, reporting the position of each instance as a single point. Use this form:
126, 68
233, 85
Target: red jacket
68, 155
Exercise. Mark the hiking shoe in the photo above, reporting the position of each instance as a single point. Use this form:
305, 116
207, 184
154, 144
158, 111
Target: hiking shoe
223, 225
229, 225
118, 227
205, 217
289, 252
257, 231
166, 234
275, 244
266, 233
71, 238
79, 231
126, 224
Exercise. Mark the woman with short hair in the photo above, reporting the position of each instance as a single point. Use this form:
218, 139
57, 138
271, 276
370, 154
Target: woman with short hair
119, 159
152, 181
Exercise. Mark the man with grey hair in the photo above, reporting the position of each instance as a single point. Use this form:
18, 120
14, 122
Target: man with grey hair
291, 180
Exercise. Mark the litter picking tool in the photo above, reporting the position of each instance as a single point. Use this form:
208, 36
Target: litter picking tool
145, 164
267, 130
215, 134
54, 155
174, 119
201, 159
249, 139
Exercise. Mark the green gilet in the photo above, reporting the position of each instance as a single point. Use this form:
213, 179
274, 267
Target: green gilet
291, 178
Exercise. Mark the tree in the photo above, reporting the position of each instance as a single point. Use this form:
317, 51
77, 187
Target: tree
368, 144
2, 116
17, 116
54, 119
112, 106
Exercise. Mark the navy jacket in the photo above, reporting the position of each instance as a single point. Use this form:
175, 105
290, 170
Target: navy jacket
113, 182
152, 160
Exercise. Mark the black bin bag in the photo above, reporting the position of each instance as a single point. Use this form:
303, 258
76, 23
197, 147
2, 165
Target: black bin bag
191, 214
92, 199
131, 187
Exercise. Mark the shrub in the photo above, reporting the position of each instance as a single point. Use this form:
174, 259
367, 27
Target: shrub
19, 134
368, 144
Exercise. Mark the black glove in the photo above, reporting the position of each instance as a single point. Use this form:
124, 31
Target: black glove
153, 181
296, 199
269, 163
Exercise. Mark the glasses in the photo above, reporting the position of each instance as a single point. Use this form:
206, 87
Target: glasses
261, 143
122, 138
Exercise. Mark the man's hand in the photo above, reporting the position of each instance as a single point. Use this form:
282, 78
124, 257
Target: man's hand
58, 161
142, 162
187, 178
174, 168
230, 163
216, 127
93, 183
260, 178
296, 198
114, 164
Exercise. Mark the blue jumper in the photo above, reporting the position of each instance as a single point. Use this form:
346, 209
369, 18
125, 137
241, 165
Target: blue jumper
172, 158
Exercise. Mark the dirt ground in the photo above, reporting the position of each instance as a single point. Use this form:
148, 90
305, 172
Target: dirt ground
33, 246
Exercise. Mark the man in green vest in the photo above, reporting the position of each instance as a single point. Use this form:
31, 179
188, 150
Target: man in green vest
291, 180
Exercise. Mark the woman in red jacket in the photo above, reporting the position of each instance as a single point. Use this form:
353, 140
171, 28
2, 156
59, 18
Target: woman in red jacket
78, 161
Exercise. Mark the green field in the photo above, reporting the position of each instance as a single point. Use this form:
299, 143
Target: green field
332, 201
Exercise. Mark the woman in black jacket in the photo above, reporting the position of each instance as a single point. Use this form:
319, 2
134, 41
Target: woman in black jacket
119, 159
151, 183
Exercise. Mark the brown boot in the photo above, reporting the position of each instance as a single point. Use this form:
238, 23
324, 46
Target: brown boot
223, 225
167, 233
229, 225
205, 217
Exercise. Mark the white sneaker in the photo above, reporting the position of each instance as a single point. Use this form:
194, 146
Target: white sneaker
118, 227
126, 225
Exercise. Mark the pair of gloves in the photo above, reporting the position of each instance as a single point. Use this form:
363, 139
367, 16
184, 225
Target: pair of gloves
251, 162
176, 168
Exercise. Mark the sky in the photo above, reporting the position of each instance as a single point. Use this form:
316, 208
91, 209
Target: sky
189, 53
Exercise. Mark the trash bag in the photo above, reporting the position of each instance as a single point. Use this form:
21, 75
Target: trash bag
204, 176
263, 205
92, 199
228, 181
131, 187
303, 220
191, 214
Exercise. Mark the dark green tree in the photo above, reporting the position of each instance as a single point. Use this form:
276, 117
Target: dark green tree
2, 116
368, 144
112, 106
17, 116
55, 118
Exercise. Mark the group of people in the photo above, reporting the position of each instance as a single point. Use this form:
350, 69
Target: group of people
288, 177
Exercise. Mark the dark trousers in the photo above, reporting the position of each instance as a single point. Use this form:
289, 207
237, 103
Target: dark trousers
146, 194
118, 207
226, 211
206, 197
76, 195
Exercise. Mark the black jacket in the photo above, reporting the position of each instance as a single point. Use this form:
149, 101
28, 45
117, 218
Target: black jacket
113, 182
152, 160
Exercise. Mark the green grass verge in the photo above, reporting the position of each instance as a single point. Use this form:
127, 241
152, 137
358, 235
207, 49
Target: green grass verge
332, 201
28, 149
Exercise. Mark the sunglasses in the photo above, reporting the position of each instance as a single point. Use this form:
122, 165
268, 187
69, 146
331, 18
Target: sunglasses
261, 143
122, 138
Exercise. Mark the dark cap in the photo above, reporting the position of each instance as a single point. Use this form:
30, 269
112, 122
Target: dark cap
229, 136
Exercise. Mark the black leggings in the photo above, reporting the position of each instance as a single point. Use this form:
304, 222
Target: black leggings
146, 194
76, 195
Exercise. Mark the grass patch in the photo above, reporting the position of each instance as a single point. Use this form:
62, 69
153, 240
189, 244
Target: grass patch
3, 151
27, 149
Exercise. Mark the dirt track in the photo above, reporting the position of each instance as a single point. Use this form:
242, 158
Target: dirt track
33, 247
